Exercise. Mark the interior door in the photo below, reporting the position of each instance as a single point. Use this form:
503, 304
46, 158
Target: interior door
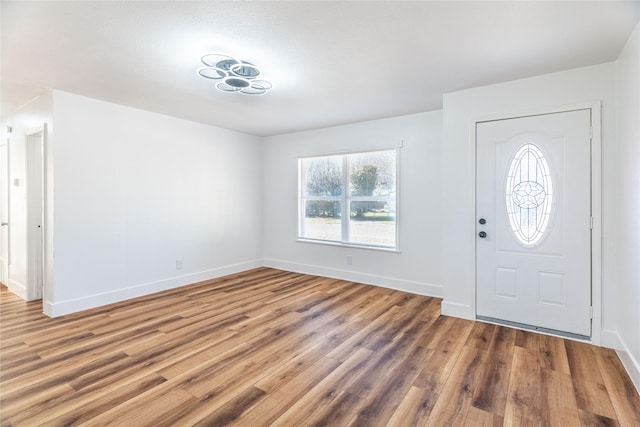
533, 229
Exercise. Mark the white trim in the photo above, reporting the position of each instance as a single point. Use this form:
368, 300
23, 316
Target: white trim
36, 130
611, 339
454, 309
17, 288
349, 245
35, 239
596, 230
5, 261
469, 312
301, 155
631, 364
418, 288
596, 104
345, 199
71, 306
47, 308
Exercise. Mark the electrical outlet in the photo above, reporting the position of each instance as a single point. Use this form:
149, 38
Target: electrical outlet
178, 264
349, 260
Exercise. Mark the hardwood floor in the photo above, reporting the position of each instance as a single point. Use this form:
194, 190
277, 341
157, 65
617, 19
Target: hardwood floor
268, 347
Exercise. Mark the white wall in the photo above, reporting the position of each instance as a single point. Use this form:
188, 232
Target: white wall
135, 191
31, 116
418, 267
628, 204
461, 109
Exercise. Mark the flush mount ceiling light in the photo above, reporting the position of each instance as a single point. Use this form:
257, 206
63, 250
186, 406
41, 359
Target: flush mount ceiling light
233, 75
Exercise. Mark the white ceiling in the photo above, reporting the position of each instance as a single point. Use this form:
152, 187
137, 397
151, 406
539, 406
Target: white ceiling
331, 62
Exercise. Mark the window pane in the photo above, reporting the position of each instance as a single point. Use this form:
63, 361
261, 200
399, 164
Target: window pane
372, 222
361, 184
322, 220
373, 174
529, 195
323, 176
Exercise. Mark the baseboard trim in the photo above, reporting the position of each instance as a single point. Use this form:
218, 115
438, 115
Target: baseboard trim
92, 301
47, 308
17, 288
454, 309
418, 288
630, 363
610, 339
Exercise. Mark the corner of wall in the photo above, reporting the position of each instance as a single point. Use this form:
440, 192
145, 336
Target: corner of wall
413, 287
611, 339
97, 300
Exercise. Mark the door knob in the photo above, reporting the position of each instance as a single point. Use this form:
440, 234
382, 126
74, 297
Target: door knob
4, 223
482, 234
482, 221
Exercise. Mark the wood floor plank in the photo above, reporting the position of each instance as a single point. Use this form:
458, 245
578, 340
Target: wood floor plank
480, 418
390, 388
296, 365
561, 407
414, 409
234, 409
491, 393
552, 350
320, 396
525, 393
481, 335
270, 347
152, 408
624, 397
455, 400
259, 362
288, 393
587, 419
448, 337
12, 406
538, 395
591, 392
81, 406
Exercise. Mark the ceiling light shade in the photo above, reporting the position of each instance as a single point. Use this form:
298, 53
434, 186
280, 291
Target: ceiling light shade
213, 73
233, 75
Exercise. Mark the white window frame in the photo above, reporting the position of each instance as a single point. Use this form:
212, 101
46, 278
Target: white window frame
345, 199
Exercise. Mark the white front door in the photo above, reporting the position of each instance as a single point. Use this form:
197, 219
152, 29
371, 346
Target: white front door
533, 229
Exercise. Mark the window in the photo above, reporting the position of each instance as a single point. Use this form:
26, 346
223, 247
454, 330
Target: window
529, 195
349, 198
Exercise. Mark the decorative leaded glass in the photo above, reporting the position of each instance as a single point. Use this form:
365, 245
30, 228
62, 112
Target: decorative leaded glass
529, 194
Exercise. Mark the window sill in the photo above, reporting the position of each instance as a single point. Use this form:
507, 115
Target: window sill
349, 245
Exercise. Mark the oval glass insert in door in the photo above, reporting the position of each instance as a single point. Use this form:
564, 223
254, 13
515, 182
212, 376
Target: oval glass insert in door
529, 195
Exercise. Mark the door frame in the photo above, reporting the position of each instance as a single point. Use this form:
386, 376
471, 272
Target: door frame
5, 194
596, 202
35, 240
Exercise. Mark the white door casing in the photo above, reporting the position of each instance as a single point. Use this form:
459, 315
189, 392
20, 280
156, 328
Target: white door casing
4, 213
537, 276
